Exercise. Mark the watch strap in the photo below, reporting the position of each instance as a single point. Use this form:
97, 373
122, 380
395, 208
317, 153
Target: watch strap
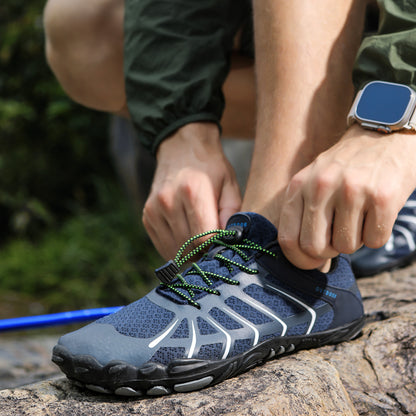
412, 121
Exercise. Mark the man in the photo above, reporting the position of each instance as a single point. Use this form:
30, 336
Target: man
327, 188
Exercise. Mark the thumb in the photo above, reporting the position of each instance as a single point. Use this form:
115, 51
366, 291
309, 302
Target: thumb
229, 202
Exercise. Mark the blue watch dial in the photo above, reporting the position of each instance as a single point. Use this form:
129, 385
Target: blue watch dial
383, 103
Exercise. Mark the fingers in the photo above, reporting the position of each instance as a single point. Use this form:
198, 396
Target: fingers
379, 221
200, 206
322, 216
229, 202
349, 216
305, 228
165, 222
290, 228
347, 231
175, 212
161, 236
317, 221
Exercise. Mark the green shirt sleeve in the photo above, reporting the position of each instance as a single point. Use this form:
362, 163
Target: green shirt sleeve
176, 58
390, 55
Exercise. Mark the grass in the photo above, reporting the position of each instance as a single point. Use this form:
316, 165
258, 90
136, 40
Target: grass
99, 258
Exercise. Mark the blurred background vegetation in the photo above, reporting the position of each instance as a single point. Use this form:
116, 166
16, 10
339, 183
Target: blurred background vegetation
68, 235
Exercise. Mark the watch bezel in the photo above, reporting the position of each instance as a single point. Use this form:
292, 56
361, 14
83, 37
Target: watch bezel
380, 124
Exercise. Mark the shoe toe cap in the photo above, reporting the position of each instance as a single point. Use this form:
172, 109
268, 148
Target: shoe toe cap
105, 344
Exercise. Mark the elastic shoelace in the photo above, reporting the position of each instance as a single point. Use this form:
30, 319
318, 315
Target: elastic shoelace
181, 259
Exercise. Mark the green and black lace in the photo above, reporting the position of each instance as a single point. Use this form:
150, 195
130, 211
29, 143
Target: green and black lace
172, 279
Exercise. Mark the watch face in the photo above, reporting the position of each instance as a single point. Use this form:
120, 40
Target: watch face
384, 103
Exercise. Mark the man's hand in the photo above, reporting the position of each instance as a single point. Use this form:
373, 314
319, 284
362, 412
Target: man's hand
194, 188
349, 196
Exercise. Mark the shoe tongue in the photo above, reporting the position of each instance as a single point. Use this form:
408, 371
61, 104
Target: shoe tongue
254, 227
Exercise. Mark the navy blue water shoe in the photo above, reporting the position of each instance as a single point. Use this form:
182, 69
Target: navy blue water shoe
240, 305
399, 251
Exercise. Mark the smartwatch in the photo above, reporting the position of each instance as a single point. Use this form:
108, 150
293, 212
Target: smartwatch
385, 107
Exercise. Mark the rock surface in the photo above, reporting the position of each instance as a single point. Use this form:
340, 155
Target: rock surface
25, 359
372, 375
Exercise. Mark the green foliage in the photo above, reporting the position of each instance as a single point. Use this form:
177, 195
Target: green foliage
98, 259
67, 236
50, 147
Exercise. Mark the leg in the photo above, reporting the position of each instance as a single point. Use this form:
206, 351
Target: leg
238, 120
304, 89
84, 47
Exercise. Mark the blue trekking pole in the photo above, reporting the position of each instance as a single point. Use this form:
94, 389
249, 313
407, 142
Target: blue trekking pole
62, 318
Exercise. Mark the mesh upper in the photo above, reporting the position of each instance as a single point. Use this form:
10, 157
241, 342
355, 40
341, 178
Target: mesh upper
275, 302
153, 319
182, 331
323, 322
165, 355
298, 329
243, 309
210, 351
240, 346
204, 327
225, 320
269, 336
343, 276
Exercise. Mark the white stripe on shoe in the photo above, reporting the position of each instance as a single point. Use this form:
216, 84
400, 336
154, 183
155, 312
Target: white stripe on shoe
308, 308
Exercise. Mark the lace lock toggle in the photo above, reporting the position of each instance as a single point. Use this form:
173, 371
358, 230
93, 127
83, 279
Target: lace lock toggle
234, 238
167, 272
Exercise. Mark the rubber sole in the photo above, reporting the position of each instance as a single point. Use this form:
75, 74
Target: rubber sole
184, 375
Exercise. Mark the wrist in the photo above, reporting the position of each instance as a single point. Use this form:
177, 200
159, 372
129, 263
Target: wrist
191, 138
358, 130
397, 147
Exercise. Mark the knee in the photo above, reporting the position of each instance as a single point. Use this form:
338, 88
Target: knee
81, 38
78, 27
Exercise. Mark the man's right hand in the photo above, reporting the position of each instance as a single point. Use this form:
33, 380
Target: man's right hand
194, 188
348, 196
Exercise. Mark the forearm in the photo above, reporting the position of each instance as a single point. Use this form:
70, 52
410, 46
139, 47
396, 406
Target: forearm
304, 58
